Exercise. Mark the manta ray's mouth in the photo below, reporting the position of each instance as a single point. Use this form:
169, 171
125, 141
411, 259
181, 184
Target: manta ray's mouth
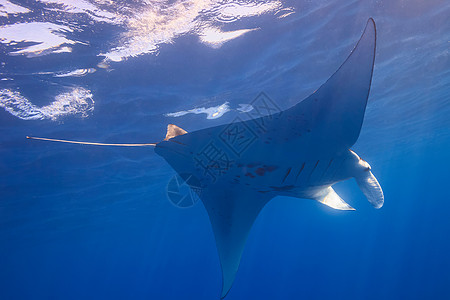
169, 148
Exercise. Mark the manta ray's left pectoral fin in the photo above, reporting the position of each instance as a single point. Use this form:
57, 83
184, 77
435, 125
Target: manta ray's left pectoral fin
329, 197
232, 213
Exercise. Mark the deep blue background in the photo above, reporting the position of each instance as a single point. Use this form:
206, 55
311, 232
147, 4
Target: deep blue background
82, 222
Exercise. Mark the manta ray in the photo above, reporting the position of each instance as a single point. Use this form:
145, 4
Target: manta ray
301, 152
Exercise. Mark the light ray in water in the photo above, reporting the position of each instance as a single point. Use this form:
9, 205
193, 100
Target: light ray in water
48, 38
78, 101
213, 112
76, 73
8, 8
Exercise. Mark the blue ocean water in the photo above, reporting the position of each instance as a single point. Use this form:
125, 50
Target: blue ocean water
85, 222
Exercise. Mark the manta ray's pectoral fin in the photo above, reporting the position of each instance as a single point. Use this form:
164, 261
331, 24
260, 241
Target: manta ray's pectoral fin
335, 112
232, 213
329, 197
371, 188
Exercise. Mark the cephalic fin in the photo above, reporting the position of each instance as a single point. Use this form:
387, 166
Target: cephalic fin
329, 197
371, 188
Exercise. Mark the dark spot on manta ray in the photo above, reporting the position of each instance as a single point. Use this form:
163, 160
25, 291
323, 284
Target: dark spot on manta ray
262, 170
298, 174
286, 175
331, 161
263, 192
282, 188
173, 141
315, 166
248, 174
252, 165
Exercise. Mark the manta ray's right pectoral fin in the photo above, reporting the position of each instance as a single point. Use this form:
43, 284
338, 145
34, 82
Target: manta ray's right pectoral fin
329, 197
371, 188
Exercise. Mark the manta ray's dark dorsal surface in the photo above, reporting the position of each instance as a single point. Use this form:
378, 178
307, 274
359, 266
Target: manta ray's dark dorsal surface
300, 152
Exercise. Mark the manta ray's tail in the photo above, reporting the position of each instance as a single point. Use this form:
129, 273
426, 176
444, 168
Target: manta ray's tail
172, 131
89, 143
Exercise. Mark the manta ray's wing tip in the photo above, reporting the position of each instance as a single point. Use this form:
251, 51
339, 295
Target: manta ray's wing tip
225, 289
371, 23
